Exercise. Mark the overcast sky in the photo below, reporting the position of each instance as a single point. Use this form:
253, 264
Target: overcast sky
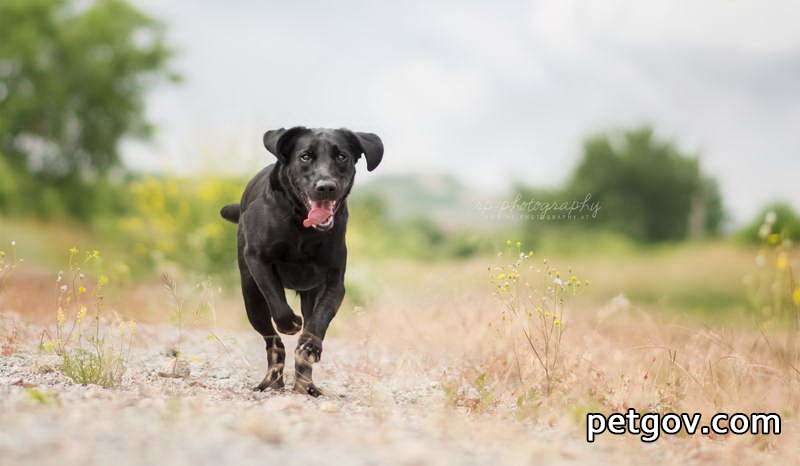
490, 91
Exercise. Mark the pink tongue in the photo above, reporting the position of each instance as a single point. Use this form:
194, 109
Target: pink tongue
320, 212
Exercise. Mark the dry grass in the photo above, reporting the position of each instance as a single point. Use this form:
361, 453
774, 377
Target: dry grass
617, 354
617, 351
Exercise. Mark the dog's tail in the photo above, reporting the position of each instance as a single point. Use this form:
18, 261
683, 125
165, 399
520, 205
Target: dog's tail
231, 212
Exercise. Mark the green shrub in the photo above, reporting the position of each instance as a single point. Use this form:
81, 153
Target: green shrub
176, 221
783, 219
90, 367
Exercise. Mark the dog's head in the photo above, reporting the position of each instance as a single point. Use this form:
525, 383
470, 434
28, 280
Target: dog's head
319, 166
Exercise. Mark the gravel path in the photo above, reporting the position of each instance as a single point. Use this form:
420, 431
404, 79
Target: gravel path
376, 409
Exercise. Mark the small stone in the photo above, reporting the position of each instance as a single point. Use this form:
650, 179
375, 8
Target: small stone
46, 364
23, 384
178, 369
329, 407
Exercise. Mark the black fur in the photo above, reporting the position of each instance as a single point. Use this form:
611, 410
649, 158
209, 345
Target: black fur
276, 252
231, 212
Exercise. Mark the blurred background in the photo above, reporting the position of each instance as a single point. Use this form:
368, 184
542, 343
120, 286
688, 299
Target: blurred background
643, 144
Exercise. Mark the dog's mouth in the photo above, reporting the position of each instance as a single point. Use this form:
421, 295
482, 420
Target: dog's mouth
320, 214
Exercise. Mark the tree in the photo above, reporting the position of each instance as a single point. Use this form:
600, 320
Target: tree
73, 77
776, 217
647, 187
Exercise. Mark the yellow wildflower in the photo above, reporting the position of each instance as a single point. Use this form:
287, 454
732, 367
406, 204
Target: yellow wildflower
782, 262
81, 314
48, 346
796, 296
81, 290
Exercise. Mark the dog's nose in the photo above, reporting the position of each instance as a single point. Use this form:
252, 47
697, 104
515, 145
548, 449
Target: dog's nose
325, 187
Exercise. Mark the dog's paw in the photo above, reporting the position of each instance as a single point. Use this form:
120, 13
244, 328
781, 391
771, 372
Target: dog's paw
272, 381
290, 325
309, 349
307, 389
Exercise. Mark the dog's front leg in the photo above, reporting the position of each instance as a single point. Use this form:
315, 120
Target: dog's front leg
271, 287
309, 345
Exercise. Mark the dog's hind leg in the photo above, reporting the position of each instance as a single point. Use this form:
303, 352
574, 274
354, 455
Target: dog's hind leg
259, 317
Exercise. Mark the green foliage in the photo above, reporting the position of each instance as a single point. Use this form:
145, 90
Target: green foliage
785, 222
72, 82
41, 397
176, 221
8, 185
91, 367
648, 189
773, 287
62, 199
372, 232
158, 223
577, 240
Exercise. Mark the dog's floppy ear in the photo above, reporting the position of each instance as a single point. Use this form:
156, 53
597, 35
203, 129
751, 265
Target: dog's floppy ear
370, 145
279, 141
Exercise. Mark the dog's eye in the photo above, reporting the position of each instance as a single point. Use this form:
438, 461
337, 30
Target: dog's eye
341, 157
305, 157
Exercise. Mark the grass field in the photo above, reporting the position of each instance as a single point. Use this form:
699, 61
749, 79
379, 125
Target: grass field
427, 363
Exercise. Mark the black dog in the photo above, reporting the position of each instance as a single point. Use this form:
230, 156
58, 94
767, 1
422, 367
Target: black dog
292, 221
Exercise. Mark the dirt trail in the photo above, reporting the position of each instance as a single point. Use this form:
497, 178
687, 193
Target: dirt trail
377, 409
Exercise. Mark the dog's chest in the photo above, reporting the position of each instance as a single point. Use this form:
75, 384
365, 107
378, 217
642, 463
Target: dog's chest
301, 266
300, 276
298, 252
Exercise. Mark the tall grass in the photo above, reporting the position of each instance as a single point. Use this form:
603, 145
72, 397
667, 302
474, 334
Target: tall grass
197, 307
533, 300
614, 354
8, 263
8, 331
775, 293
93, 348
